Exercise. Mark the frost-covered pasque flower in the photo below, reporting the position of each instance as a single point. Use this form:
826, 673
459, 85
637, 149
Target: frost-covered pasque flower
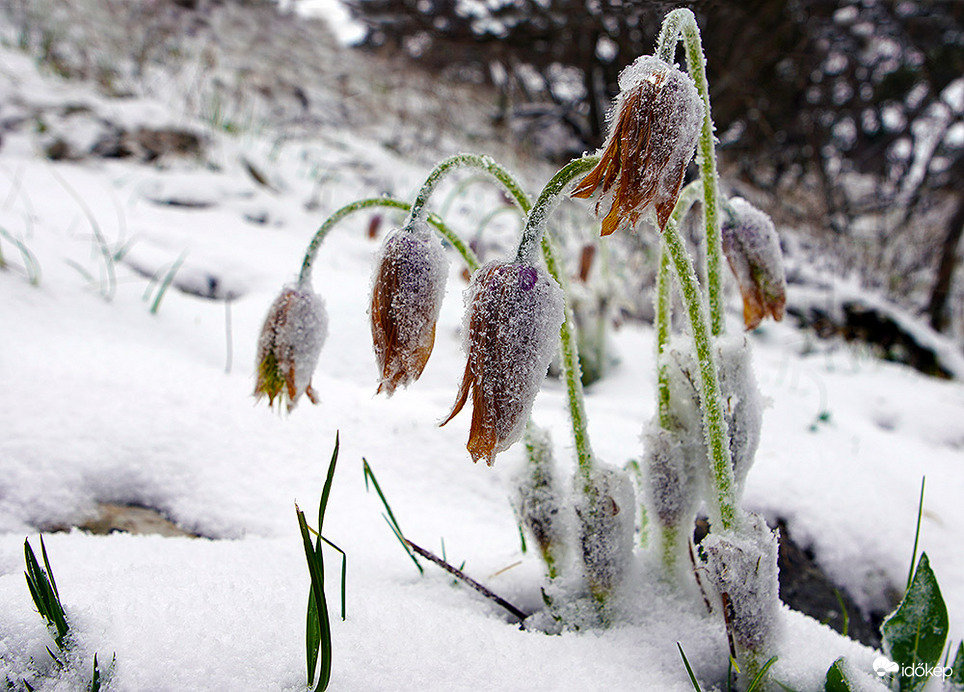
510, 333
408, 285
654, 127
607, 520
291, 339
752, 249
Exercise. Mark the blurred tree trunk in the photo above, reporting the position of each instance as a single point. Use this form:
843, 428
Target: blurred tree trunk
937, 308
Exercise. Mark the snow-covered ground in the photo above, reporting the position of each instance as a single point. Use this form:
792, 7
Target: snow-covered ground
105, 402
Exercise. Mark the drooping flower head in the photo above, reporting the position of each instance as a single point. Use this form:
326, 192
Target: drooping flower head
654, 127
291, 339
408, 285
511, 331
752, 250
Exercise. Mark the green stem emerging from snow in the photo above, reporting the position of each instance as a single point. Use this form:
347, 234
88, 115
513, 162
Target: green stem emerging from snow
723, 507
681, 25
470, 259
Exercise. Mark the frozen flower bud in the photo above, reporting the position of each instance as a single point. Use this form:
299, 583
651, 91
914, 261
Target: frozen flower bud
407, 288
291, 339
671, 485
654, 127
742, 567
752, 249
540, 502
510, 333
606, 511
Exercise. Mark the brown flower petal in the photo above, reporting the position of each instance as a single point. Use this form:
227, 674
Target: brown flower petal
655, 127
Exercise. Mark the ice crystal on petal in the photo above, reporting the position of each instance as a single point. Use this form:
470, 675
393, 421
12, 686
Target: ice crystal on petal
752, 248
606, 512
742, 567
408, 285
654, 127
291, 339
511, 331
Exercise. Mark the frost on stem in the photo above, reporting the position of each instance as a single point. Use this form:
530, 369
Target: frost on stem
742, 568
510, 333
742, 405
607, 523
408, 284
752, 249
291, 339
654, 127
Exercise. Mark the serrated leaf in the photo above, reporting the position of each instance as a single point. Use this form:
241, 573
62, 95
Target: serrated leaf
836, 680
916, 631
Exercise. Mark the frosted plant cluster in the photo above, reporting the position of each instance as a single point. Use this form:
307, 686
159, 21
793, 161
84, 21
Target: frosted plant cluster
606, 512
408, 284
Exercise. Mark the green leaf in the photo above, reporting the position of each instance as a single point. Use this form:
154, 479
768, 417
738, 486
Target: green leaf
326, 491
43, 591
689, 670
916, 631
392, 522
836, 680
957, 669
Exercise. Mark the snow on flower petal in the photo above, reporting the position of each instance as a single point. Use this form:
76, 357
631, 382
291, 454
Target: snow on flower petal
752, 249
654, 127
408, 285
511, 331
291, 339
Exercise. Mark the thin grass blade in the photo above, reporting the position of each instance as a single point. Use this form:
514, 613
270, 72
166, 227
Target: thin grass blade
761, 675
392, 522
689, 669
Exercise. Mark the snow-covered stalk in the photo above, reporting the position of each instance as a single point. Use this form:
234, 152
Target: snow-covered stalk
440, 227
681, 25
533, 236
722, 502
479, 161
663, 303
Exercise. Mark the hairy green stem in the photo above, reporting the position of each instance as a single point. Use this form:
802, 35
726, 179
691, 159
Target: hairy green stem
723, 507
443, 230
570, 360
664, 307
548, 198
482, 162
681, 25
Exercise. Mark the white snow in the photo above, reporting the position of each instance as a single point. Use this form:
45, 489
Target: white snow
104, 402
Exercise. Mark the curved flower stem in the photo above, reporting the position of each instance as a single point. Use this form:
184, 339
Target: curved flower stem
482, 162
548, 198
681, 25
570, 360
723, 507
663, 305
470, 259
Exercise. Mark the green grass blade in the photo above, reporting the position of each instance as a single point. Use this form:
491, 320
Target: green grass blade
957, 669
316, 571
920, 511
761, 676
392, 522
166, 282
312, 637
326, 491
344, 573
43, 591
689, 669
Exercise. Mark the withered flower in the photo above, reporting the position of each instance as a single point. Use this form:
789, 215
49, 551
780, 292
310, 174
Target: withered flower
291, 339
654, 126
407, 289
752, 250
511, 331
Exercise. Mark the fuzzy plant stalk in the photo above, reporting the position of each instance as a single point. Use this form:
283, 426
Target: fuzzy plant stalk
533, 237
722, 501
680, 25
374, 202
